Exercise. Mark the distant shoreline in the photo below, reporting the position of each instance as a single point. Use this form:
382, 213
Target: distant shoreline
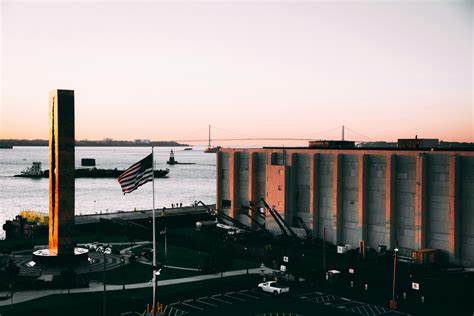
92, 143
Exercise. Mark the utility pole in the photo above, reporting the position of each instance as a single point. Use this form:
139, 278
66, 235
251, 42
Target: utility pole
324, 250
104, 302
393, 301
122, 261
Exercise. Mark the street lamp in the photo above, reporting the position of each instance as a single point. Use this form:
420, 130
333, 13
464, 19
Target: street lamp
122, 262
104, 302
155, 284
246, 260
393, 301
94, 206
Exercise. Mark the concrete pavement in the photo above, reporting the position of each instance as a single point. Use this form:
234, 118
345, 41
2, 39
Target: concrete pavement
24, 296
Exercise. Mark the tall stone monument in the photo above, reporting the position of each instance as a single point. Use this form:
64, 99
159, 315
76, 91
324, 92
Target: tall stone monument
61, 172
61, 248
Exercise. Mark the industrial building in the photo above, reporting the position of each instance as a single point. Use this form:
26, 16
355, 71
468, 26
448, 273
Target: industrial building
417, 198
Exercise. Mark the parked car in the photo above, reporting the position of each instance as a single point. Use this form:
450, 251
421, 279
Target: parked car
333, 274
273, 287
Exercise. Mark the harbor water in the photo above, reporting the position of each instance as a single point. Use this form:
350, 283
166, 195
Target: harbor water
184, 183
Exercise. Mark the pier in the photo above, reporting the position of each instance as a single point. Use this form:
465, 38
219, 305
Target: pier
142, 214
137, 220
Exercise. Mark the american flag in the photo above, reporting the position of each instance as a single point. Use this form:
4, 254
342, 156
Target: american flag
137, 174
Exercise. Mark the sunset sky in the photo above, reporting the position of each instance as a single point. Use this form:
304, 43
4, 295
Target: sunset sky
164, 71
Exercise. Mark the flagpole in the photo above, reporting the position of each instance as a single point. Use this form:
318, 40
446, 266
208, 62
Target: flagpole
154, 237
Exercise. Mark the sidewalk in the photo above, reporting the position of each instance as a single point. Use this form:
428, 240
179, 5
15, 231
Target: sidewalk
24, 296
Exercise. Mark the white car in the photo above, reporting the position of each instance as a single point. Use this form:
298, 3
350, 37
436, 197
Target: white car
273, 287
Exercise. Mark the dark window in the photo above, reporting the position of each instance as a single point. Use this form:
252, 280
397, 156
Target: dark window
226, 203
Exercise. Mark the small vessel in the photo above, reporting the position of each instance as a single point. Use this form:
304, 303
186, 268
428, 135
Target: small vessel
209, 150
188, 148
32, 172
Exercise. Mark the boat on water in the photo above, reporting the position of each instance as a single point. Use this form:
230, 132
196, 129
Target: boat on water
188, 148
32, 172
36, 172
211, 150
110, 173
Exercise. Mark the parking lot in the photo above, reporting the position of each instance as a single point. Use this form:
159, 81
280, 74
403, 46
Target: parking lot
252, 301
217, 301
346, 304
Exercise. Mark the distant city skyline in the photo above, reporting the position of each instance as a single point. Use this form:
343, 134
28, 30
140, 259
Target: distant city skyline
165, 71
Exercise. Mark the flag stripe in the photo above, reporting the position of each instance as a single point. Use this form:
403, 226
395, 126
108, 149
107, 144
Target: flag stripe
136, 184
129, 171
137, 175
131, 180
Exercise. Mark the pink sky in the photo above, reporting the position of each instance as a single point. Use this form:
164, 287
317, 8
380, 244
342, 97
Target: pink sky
163, 71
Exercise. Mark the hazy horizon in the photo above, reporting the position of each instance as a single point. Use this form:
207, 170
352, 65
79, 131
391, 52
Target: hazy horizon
164, 71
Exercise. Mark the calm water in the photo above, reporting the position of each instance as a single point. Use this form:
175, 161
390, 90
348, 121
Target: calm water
185, 183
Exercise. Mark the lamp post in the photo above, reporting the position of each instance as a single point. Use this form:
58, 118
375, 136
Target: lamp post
246, 260
104, 303
94, 206
155, 284
324, 250
393, 301
122, 262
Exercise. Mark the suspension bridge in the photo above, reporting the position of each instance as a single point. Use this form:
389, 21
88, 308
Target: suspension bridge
245, 138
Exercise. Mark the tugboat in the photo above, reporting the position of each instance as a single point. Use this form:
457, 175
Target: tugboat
212, 150
32, 172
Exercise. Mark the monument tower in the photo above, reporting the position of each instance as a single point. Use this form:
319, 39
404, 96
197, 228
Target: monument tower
61, 172
61, 183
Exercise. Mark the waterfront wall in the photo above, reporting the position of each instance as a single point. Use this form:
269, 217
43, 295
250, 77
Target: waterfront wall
419, 199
